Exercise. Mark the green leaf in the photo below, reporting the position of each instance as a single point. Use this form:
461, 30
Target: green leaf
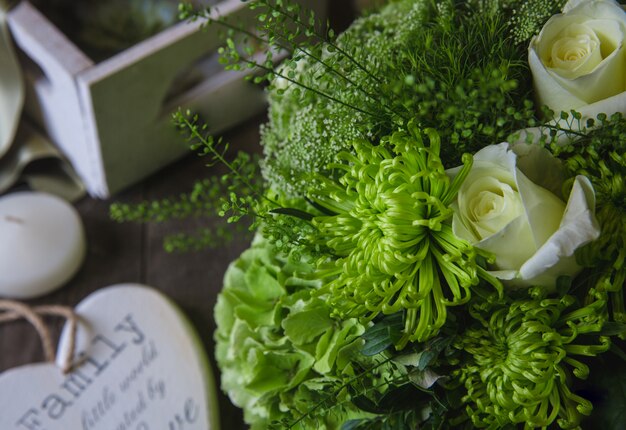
278, 370
293, 212
382, 334
405, 397
367, 405
353, 424
262, 284
320, 208
305, 326
424, 379
431, 351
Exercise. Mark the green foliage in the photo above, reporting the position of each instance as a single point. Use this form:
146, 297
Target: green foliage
203, 238
444, 65
419, 402
241, 171
598, 152
207, 198
202, 200
394, 421
383, 334
289, 363
437, 64
232, 196
614, 415
289, 234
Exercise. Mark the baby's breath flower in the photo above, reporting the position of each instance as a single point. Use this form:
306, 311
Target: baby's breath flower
389, 232
529, 17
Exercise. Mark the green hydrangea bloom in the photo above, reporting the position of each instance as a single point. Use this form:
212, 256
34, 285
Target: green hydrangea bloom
279, 350
520, 362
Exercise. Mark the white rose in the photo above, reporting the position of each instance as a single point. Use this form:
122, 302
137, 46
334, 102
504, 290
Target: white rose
578, 60
504, 206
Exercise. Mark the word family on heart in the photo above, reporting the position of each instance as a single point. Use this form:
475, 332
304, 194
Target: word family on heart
138, 365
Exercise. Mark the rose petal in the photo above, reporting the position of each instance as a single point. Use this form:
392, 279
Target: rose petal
542, 242
512, 246
606, 80
493, 206
540, 166
610, 33
548, 92
578, 227
510, 276
494, 158
599, 9
543, 209
460, 229
609, 106
551, 31
498, 154
571, 4
582, 40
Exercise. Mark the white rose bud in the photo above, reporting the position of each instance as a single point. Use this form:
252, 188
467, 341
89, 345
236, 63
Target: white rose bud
578, 60
531, 232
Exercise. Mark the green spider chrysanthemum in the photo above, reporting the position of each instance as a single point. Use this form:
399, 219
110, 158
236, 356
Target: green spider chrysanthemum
520, 360
390, 236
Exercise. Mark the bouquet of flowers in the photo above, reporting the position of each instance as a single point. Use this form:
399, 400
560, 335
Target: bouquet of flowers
439, 217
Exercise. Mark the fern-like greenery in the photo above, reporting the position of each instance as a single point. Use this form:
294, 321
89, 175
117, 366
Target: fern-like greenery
232, 196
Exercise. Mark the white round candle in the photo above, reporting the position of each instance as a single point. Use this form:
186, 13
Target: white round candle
42, 244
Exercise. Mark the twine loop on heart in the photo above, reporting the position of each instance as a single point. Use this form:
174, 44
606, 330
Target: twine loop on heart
11, 310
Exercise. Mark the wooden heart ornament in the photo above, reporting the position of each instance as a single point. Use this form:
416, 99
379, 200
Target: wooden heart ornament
138, 365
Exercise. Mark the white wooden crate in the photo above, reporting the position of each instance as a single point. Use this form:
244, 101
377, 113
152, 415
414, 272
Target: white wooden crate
113, 119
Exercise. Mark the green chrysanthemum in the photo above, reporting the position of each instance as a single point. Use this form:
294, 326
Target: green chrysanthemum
390, 236
520, 361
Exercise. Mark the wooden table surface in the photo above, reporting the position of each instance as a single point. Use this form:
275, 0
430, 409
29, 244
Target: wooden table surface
130, 252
